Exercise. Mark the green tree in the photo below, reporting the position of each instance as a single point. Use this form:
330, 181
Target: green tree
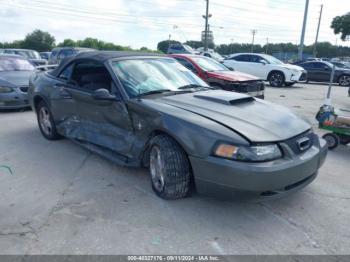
341, 25
39, 40
194, 44
163, 45
67, 43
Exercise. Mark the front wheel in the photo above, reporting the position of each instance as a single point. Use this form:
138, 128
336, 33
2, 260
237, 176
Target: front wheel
344, 80
46, 124
276, 79
290, 84
169, 168
332, 140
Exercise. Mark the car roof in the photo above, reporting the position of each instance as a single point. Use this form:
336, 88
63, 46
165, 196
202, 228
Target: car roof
101, 56
19, 49
261, 54
12, 56
185, 55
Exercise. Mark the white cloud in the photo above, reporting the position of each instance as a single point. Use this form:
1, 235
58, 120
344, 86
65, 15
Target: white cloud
146, 22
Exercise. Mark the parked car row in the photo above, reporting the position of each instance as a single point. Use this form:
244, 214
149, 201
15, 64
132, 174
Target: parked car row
320, 71
32, 55
268, 68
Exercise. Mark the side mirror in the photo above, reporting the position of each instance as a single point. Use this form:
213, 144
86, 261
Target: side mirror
103, 94
263, 62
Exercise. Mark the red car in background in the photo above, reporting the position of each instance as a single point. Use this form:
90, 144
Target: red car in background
219, 76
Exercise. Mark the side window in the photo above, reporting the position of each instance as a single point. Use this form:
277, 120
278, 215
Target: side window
91, 75
308, 65
54, 53
256, 59
187, 64
66, 73
241, 58
320, 66
65, 53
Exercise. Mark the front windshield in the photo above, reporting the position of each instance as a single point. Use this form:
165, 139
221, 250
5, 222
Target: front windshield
273, 60
33, 55
208, 64
188, 48
217, 56
140, 76
15, 64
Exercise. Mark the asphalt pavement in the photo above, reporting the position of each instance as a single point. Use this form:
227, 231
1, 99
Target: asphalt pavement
58, 198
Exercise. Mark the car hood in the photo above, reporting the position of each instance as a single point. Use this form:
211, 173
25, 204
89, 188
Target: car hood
293, 67
38, 61
233, 76
15, 78
254, 119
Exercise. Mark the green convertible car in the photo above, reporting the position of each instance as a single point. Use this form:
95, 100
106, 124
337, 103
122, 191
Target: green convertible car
148, 110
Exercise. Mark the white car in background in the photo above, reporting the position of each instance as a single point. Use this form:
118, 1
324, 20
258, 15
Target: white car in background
267, 68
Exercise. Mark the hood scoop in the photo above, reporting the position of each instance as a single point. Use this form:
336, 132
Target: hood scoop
231, 99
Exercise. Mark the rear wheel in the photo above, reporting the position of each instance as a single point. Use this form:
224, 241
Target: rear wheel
46, 124
276, 79
332, 140
344, 140
344, 80
169, 168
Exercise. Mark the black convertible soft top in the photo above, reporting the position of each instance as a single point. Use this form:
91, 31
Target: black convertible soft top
99, 56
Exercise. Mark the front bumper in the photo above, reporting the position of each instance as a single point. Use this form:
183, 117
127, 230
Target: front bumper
220, 176
14, 100
298, 77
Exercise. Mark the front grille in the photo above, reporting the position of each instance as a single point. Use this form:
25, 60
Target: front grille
294, 145
246, 87
303, 77
24, 89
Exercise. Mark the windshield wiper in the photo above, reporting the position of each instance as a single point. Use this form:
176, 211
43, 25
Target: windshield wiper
193, 86
153, 92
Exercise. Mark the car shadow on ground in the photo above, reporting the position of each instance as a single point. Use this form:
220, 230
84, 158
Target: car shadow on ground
11, 111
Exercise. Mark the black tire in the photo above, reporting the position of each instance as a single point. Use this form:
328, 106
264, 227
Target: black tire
276, 79
50, 131
344, 140
332, 140
170, 170
290, 84
344, 80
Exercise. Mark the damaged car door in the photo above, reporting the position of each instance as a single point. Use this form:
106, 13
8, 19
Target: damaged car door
103, 117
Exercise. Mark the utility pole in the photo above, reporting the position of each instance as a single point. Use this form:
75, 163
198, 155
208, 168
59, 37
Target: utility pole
232, 45
302, 38
206, 17
169, 40
253, 31
267, 45
318, 31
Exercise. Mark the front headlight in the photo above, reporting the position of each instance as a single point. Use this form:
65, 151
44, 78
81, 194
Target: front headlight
248, 153
4, 89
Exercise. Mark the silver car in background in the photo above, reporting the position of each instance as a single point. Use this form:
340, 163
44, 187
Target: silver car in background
33, 56
15, 72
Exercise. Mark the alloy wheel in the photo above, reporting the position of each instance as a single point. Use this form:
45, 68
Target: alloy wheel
276, 79
157, 168
344, 80
44, 120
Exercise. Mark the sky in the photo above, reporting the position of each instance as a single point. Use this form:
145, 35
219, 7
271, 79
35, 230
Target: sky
138, 23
